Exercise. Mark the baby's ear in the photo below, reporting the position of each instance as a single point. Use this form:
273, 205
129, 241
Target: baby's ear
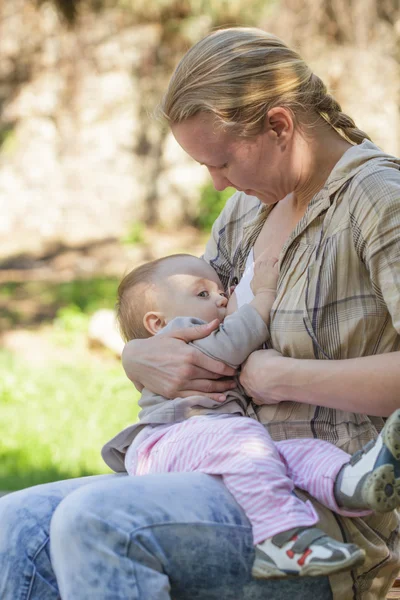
154, 321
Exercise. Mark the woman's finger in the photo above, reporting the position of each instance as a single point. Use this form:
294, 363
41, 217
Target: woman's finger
217, 396
207, 387
200, 373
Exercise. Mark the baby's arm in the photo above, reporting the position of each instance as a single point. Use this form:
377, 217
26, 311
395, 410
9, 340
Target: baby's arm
245, 330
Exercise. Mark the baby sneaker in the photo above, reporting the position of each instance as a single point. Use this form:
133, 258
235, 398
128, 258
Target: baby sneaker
304, 551
371, 479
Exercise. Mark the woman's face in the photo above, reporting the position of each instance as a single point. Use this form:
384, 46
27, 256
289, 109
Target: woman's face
258, 166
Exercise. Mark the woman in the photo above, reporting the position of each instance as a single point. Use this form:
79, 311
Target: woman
315, 192
247, 107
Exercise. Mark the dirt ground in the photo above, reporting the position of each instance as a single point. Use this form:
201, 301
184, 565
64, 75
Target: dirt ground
109, 258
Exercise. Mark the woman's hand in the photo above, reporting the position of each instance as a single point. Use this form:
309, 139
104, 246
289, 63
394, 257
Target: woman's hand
263, 374
167, 365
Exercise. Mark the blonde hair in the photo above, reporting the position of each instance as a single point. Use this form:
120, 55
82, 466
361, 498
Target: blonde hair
136, 295
239, 74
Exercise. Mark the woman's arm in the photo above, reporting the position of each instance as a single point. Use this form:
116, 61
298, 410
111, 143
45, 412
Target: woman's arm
167, 365
368, 385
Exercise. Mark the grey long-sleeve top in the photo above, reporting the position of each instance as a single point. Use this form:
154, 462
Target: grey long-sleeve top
240, 334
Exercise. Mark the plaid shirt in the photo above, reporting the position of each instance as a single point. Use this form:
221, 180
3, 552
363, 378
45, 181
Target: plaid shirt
338, 297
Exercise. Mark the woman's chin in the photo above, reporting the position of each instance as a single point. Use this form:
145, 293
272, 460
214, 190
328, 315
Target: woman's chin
264, 198
268, 200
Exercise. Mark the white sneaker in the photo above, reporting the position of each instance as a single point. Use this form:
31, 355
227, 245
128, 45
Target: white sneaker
371, 479
304, 551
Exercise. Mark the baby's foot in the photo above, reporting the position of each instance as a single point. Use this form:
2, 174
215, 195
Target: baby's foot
304, 551
371, 479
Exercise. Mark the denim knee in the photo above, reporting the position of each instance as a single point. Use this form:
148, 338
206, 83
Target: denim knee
83, 515
24, 522
11, 521
69, 519
25, 567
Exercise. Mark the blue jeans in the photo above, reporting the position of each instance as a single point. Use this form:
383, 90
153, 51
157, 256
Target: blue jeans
114, 537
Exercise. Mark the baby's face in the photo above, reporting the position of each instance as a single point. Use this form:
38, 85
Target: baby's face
189, 287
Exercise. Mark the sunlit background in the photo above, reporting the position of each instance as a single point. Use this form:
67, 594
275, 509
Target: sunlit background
92, 185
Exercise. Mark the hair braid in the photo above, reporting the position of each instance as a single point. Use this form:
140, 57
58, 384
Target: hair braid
331, 111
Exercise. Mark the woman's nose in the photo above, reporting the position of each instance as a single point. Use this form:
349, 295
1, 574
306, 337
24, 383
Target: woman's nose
220, 182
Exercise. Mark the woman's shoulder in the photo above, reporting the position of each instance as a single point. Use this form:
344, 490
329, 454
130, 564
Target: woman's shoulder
239, 207
376, 187
227, 232
240, 211
368, 181
373, 205
373, 172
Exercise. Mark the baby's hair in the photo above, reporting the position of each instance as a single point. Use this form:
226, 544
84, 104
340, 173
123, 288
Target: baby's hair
136, 296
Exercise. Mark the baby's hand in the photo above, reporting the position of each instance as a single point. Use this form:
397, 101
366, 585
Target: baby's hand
266, 274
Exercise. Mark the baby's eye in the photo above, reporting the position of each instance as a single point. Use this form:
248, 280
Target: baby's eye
223, 294
203, 294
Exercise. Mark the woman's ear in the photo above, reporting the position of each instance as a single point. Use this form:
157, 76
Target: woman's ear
279, 123
154, 321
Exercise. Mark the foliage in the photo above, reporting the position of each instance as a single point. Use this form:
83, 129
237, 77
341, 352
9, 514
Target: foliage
210, 205
32, 302
135, 235
217, 12
86, 294
71, 319
7, 138
54, 420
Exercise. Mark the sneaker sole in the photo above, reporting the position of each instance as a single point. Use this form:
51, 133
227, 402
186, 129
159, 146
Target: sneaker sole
355, 560
262, 570
382, 488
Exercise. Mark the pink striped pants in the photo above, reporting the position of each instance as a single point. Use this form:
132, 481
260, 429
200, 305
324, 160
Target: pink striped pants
259, 473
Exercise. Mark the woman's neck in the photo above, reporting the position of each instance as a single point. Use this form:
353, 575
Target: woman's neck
318, 154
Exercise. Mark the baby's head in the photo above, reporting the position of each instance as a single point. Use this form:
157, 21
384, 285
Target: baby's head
180, 285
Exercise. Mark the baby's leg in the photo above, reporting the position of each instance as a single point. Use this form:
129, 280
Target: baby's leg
240, 450
349, 485
313, 466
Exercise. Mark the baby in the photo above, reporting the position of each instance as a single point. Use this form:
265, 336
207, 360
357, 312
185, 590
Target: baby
200, 434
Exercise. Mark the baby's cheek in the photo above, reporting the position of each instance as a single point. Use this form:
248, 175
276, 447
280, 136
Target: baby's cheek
232, 304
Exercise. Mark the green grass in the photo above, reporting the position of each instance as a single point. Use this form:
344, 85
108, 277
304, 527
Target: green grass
54, 419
